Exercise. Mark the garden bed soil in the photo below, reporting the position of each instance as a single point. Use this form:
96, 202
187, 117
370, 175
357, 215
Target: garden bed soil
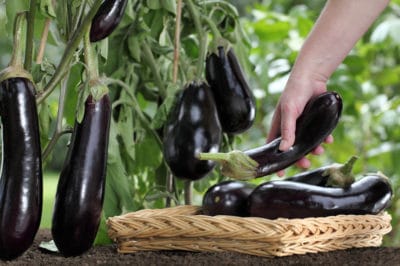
108, 255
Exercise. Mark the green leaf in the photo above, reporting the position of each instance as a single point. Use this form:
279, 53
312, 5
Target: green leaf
134, 47
154, 4
169, 5
102, 237
47, 8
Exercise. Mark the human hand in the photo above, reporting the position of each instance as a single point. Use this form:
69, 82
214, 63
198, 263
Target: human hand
290, 106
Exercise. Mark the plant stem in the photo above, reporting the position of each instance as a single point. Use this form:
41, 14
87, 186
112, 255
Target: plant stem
148, 57
16, 58
177, 41
43, 41
69, 52
214, 30
90, 58
202, 38
29, 34
188, 192
59, 131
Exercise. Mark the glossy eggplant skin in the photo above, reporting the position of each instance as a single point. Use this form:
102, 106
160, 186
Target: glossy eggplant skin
288, 199
80, 191
107, 19
235, 101
227, 198
192, 127
21, 173
317, 121
316, 177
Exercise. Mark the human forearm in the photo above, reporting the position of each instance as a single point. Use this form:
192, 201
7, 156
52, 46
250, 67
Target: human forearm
340, 25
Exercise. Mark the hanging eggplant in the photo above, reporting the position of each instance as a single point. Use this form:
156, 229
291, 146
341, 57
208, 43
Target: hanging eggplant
107, 19
234, 99
192, 127
21, 169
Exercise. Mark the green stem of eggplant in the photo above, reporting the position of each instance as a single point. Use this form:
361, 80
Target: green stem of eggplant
90, 58
17, 55
69, 52
202, 39
29, 34
342, 176
16, 67
235, 164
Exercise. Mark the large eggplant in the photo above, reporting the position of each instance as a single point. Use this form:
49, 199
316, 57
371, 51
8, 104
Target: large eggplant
80, 190
107, 19
287, 199
21, 172
317, 121
192, 127
235, 101
227, 198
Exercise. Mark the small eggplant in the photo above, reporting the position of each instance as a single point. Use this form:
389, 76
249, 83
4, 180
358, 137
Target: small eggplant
334, 175
287, 199
192, 127
107, 19
234, 99
318, 120
80, 191
227, 198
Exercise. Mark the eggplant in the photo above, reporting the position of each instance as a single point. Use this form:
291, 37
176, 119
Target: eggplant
235, 101
334, 175
317, 121
192, 126
107, 19
287, 199
80, 191
227, 198
21, 171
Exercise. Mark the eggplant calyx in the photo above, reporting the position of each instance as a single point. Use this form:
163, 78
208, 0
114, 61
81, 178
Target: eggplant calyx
340, 175
235, 164
15, 72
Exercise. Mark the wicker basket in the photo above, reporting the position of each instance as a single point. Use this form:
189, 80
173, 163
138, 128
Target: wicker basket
185, 228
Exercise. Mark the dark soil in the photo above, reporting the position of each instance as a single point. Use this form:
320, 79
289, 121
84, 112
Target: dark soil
107, 255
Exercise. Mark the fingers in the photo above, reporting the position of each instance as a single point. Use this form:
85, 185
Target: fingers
288, 127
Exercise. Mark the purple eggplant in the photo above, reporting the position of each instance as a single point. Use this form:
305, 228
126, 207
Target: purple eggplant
318, 120
80, 191
235, 101
192, 127
227, 198
21, 172
287, 199
107, 19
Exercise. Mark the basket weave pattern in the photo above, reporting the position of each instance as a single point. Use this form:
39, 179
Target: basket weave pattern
185, 228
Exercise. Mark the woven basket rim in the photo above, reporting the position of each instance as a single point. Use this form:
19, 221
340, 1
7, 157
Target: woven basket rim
177, 228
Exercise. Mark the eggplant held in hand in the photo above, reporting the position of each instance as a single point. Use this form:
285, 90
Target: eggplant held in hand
192, 127
318, 120
288, 199
234, 99
227, 198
